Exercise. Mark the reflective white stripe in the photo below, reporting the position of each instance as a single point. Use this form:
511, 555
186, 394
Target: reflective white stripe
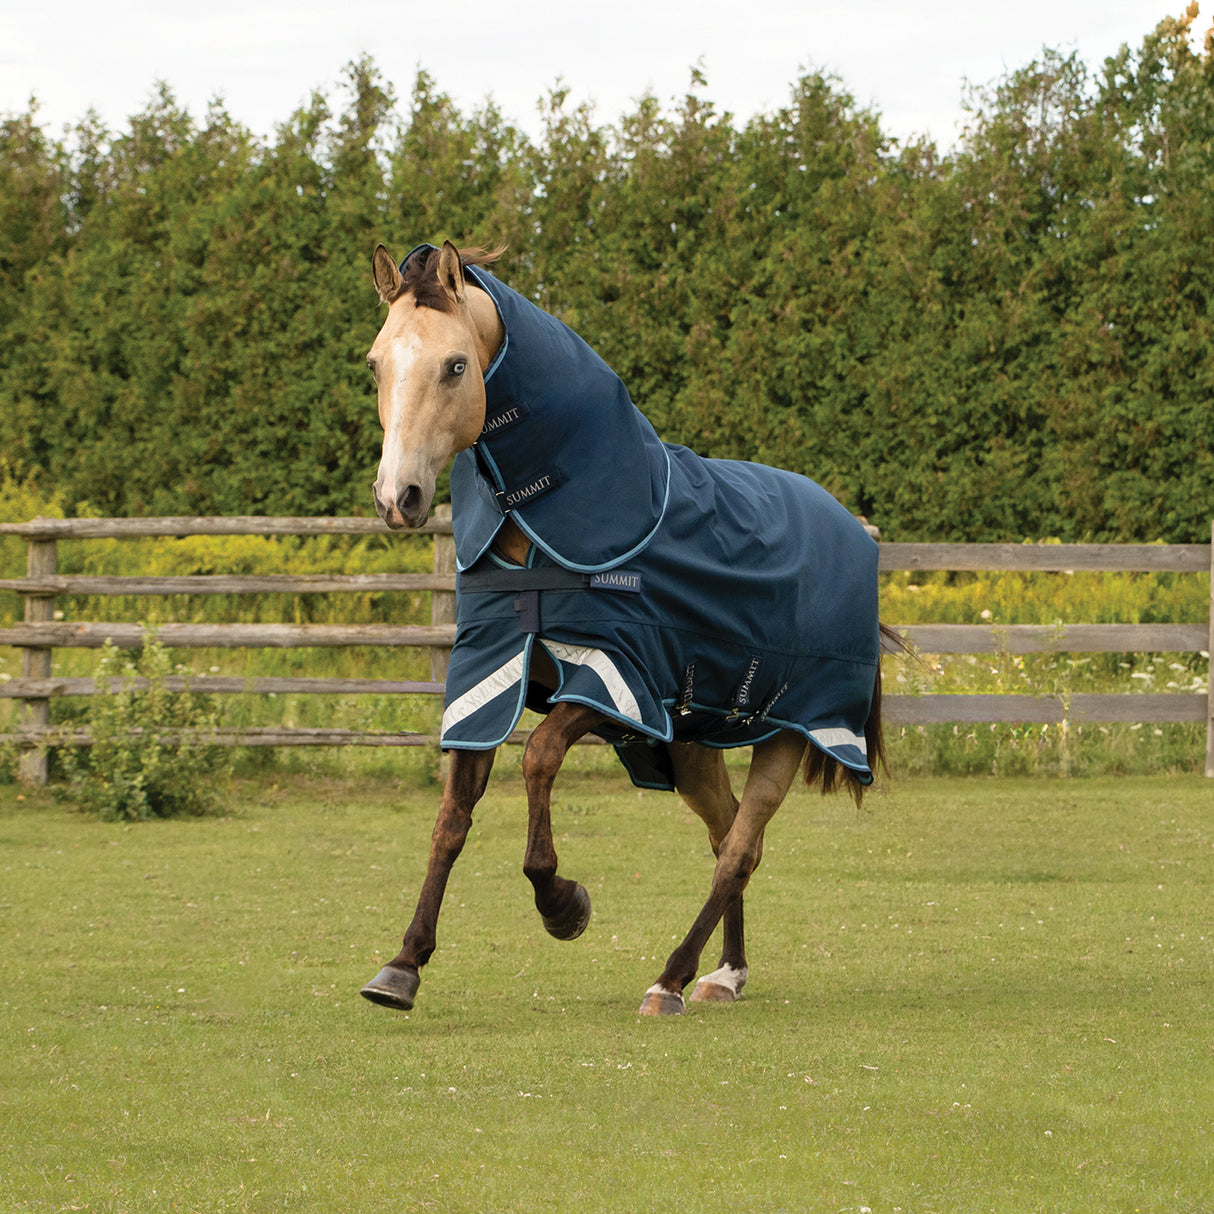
596, 660
839, 737
486, 690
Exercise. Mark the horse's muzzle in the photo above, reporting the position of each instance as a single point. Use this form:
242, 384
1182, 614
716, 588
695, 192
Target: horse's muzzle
408, 509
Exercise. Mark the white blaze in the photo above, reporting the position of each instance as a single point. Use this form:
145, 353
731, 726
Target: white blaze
404, 355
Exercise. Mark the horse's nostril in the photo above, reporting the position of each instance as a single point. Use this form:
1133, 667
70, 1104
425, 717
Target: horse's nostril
408, 502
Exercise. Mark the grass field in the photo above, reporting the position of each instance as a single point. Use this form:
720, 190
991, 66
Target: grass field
975, 995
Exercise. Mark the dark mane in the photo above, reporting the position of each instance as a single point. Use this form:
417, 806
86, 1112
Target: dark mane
419, 275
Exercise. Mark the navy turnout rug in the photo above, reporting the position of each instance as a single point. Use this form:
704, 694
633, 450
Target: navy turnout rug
686, 599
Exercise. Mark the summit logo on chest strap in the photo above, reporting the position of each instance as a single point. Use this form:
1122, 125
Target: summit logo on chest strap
511, 499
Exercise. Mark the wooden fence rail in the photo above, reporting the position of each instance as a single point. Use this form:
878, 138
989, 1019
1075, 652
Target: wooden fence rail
40, 634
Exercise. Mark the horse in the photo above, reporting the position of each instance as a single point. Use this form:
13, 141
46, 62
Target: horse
675, 606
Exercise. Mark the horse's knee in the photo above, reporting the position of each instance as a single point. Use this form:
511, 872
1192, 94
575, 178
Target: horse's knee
733, 873
540, 762
550, 741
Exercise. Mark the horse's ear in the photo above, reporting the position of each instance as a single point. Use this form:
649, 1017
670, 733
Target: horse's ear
450, 272
387, 276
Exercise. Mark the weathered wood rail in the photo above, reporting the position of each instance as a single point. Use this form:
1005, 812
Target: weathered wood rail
40, 634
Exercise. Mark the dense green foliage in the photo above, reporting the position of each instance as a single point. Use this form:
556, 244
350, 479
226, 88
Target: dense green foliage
1009, 340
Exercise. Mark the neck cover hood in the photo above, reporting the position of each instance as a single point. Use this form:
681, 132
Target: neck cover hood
564, 450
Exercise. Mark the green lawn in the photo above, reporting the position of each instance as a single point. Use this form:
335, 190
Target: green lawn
975, 995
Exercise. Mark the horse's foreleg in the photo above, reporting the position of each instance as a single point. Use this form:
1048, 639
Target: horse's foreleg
563, 905
771, 774
703, 783
396, 984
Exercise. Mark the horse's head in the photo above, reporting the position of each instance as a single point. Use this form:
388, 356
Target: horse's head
429, 361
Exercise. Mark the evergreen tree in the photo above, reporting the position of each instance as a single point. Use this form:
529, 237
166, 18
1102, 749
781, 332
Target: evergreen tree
1008, 341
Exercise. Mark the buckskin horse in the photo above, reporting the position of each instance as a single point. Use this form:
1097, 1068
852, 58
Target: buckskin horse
673, 605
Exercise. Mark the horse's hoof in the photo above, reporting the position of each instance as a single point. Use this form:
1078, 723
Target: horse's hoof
661, 1002
721, 986
571, 922
711, 992
392, 987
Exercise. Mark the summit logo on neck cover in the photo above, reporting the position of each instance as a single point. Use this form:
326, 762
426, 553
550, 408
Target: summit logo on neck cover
508, 414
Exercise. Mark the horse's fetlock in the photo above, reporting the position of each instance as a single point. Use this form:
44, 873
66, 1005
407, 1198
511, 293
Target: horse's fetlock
539, 874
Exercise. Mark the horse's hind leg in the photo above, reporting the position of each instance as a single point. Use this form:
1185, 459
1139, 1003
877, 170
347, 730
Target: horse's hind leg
396, 984
703, 783
771, 774
564, 905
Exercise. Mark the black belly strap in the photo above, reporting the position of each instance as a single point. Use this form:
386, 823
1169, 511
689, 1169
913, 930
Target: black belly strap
528, 583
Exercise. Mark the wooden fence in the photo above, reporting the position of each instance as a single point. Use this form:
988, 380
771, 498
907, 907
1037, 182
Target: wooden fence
40, 634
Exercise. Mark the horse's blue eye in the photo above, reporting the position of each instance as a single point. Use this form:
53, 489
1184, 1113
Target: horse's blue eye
458, 368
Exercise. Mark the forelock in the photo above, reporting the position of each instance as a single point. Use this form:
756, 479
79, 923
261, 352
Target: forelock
419, 275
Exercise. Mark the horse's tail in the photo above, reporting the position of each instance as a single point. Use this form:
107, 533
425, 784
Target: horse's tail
821, 768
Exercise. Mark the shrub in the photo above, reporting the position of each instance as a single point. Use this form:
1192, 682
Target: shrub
151, 756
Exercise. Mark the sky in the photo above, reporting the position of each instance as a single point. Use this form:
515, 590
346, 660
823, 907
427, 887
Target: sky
909, 60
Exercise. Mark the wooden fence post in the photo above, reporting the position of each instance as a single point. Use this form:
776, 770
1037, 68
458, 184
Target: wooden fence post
442, 602
42, 561
1210, 678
